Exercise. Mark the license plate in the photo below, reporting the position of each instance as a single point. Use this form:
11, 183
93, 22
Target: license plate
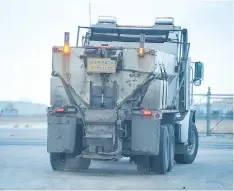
101, 65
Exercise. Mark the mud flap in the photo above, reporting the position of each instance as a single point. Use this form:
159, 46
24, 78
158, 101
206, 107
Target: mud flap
61, 134
145, 136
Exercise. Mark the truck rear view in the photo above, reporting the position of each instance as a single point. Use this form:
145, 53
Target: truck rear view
125, 92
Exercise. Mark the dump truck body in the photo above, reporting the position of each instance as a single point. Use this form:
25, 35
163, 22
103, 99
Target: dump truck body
118, 96
119, 86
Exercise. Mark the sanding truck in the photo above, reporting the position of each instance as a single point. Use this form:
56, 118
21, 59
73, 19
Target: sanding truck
123, 91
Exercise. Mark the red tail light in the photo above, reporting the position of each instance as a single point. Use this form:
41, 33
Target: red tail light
57, 49
151, 113
147, 112
60, 109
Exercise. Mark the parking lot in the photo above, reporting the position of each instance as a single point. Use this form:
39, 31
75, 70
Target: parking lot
24, 164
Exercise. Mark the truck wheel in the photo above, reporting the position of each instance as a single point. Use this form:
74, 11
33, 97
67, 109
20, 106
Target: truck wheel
60, 162
78, 164
142, 169
160, 163
171, 147
57, 161
143, 166
191, 149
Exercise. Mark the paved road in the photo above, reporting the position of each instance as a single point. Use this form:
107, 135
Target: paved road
37, 136
24, 164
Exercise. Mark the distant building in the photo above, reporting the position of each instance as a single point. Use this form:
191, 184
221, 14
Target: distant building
21, 108
225, 105
219, 108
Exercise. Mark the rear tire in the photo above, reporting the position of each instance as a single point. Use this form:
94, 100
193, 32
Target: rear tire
160, 163
143, 164
191, 149
78, 164
60, 162
57, 161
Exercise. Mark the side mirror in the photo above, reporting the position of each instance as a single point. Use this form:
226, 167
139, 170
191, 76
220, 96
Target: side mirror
198, 73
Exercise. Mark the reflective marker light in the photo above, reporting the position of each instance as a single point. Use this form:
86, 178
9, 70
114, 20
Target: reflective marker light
55, 49
157, 115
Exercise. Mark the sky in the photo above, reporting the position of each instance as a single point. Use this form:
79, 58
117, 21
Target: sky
29, 29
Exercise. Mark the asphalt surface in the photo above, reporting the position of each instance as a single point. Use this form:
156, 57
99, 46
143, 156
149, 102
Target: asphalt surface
24, 164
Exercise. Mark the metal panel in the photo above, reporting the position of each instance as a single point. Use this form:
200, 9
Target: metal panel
100, 116
187, 84
145, 135
58, 95
170, 48
127, 81
167, 60
131, 31
61, 134
172, 88
185, 127
153, 98
99, 131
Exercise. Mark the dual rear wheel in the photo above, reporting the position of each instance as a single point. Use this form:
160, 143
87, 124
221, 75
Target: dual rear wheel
164, 161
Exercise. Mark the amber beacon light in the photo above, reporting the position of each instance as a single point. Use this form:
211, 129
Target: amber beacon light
66, 47
141, 51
